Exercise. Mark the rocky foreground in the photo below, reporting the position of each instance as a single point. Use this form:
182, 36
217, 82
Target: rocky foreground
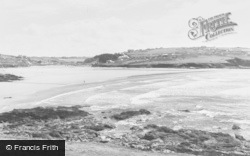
75, 124
9, 77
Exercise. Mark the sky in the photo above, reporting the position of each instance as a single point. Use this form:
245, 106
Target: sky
91, 27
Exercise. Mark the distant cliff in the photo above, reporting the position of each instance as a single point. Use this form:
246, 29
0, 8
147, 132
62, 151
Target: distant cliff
196, 57
24, 61
14, 61
192, 57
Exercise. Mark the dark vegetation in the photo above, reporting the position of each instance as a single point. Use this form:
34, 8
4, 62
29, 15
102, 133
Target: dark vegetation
103, 58
233, 63
166, 65
193, 57
239, 62
89, 60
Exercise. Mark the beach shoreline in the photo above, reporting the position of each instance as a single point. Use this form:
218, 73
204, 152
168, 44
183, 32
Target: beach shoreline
51, 89
178, 100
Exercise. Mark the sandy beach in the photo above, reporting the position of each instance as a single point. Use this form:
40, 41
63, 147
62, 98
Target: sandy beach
200, 99
216, 98
42, 82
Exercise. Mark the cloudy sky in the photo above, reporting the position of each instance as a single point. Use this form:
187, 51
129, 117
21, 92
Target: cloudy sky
90, 27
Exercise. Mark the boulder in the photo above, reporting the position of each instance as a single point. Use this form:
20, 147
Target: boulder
235, 127
239, 137
130, 114
9, 77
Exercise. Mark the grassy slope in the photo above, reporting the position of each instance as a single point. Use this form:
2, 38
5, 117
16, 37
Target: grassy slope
23, 61
183, 57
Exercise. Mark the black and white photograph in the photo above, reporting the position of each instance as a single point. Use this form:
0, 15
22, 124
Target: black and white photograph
124, 78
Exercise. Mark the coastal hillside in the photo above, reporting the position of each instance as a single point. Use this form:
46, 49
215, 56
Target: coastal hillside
24, 61
195, 57
14, 61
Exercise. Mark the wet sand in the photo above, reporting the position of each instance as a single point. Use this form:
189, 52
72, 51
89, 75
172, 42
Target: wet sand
47, 81
215, 99
210, 100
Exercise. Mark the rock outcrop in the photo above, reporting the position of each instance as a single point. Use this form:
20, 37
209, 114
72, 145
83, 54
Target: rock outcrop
76, 125
68, 123
197, 142
9, 78
128, 114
